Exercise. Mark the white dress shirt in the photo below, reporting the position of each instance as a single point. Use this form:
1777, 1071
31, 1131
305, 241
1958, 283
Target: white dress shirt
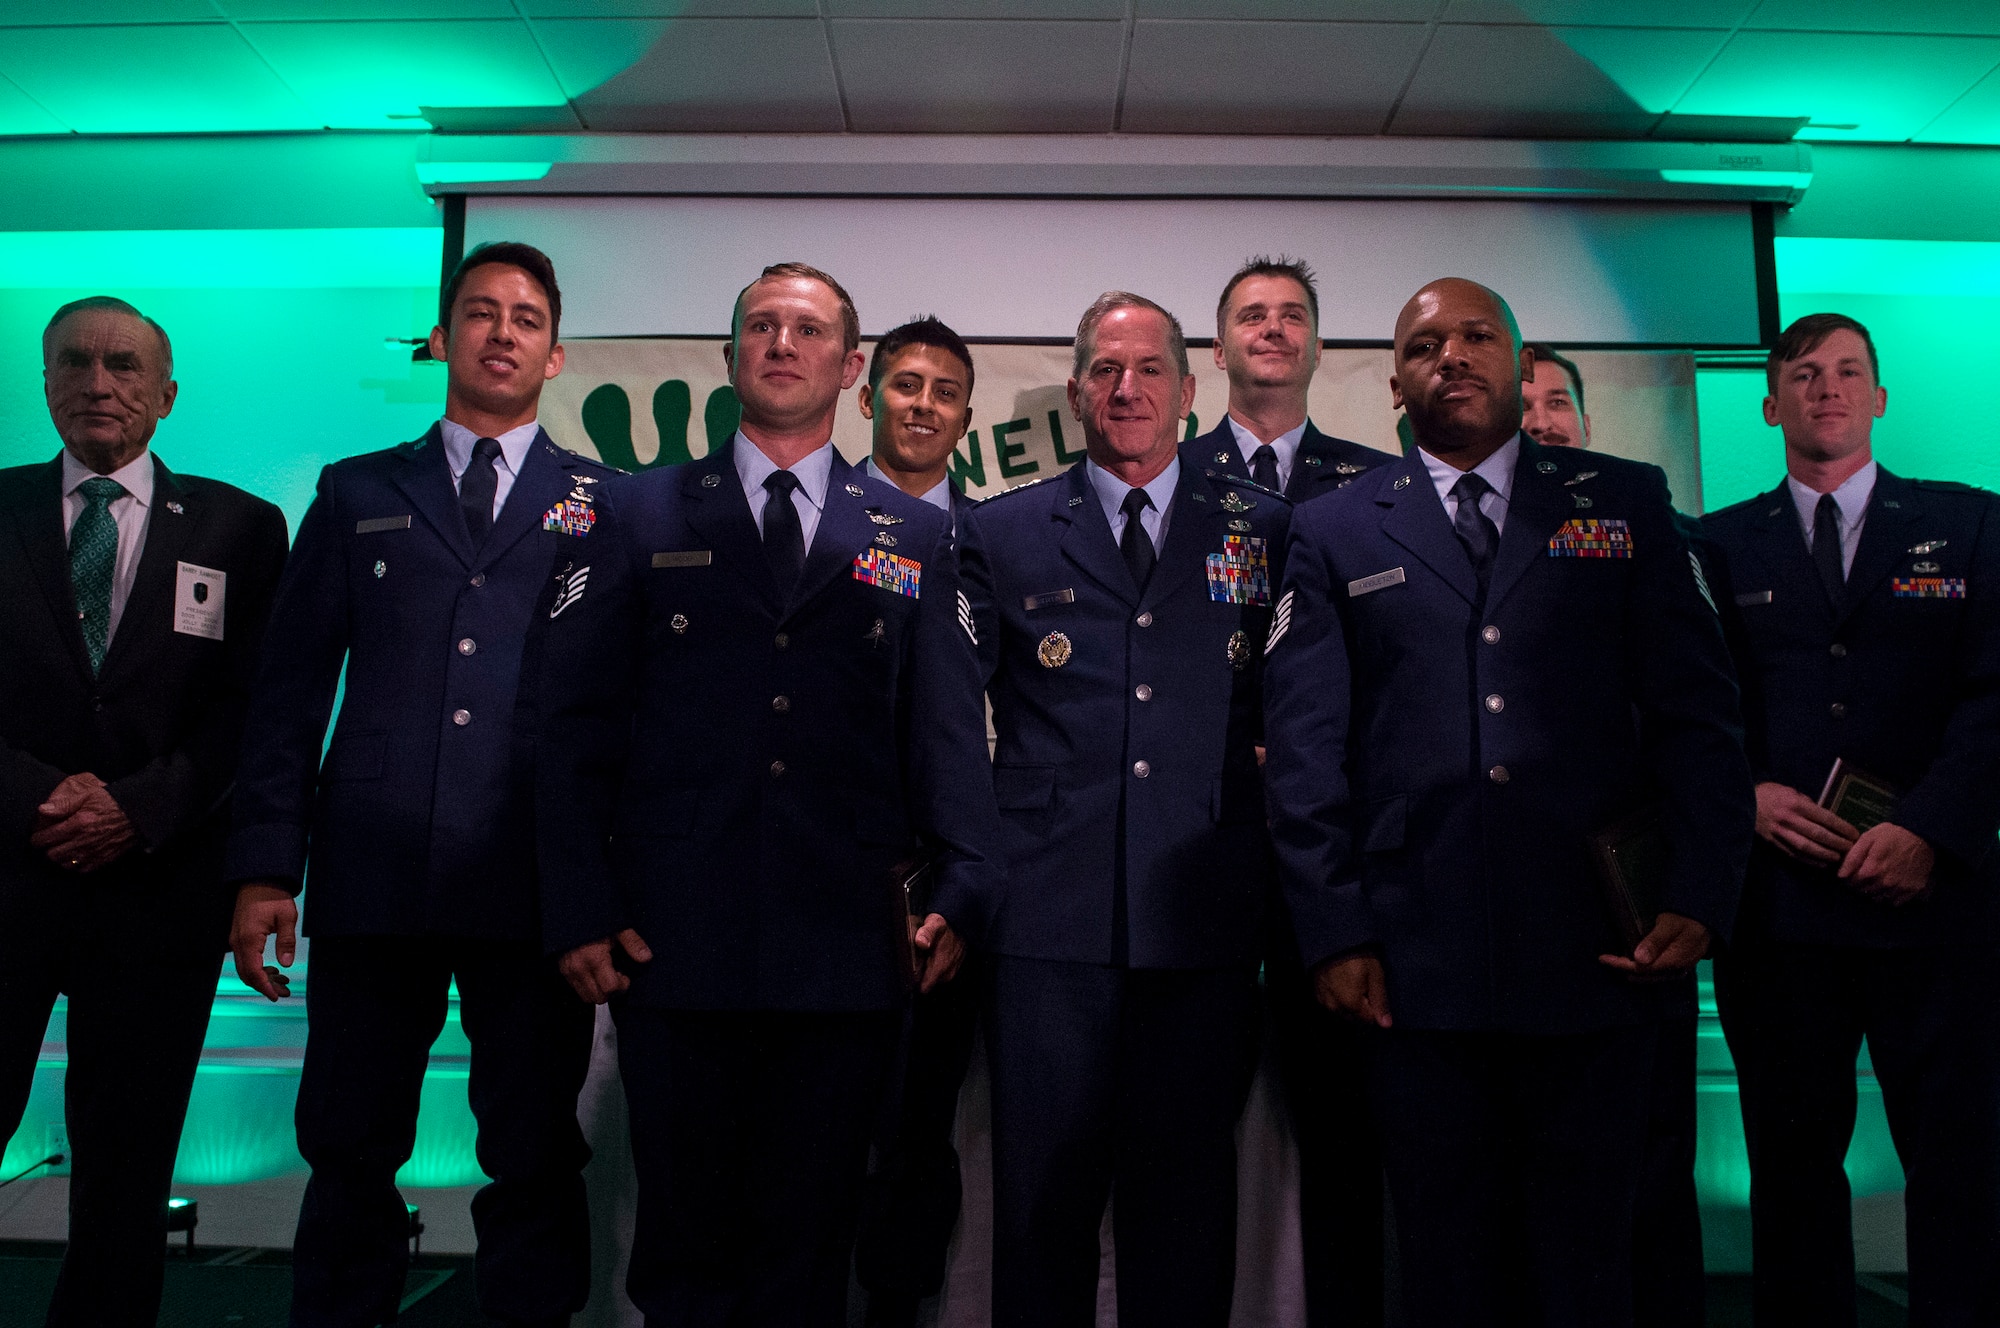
458, 441
938, 495
130, 512
1111, 493
1498, 472
812, 471
1286, 445
1852, 500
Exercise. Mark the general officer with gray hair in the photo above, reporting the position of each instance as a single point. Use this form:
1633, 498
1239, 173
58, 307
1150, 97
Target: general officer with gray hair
1120, 609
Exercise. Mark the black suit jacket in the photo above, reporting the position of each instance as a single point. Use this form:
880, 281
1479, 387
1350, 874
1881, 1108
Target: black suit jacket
1324, 463
159, 724
1904, 685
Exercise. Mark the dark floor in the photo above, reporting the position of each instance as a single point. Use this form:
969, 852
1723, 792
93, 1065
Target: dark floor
249, 1288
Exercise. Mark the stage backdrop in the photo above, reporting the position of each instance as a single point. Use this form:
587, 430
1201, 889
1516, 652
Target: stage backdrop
646, 401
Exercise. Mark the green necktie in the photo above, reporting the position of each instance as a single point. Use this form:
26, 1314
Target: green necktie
93, 555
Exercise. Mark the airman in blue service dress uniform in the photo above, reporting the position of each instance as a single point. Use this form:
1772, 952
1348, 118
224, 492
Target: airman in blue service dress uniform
1118, 624
762, 696
1267, 342
1868, 608
1435, 782
418, 571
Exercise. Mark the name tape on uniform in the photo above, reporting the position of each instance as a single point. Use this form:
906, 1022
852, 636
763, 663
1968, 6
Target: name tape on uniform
1379, 581
1750, 597
375, 525
198, 596
1047, 598
684, 558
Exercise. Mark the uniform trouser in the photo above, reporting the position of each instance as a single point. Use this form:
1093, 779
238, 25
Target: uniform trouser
1795, 1016
750, 1138
135, 1026
374, 1005
911, 1202
1123, 1084
1513, 1161
1668, 1282
1321, 1057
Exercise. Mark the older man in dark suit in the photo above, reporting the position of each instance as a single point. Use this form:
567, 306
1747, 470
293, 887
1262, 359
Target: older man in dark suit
1437, 783
135, 600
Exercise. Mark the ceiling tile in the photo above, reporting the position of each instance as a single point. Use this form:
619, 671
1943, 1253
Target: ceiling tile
1004, 76
37, 13
376, 75
1888, 88
670, 8
1521, 81
1930, 16
20, 115
151, 80
257, 11
1081, 9
720, 75
1266, 78
1603, 13
1388, 11
1973, 118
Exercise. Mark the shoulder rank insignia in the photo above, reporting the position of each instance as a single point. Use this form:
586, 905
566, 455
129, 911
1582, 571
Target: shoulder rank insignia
1929, 546
1580, 477
882, 518
1241, 573
1590, 537
1234, 502
1054, 651
875, 567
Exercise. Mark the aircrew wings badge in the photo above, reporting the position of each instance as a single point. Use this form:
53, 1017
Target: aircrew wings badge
891, 571
1241, 573
1592, 537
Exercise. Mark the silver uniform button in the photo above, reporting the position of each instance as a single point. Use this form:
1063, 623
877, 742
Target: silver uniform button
777, 769
1838, 710
1837, 650
1491, 636
1498, 774
1141, 769
1143, 692
1145, 619
479, 578
1496, 703
782, 704
781, 641
461, 717
466, 645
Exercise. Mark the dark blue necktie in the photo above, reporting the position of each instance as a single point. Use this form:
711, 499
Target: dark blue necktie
1826, 550
476, 489
1135, 543
1264, 466
784, 536
1475, 530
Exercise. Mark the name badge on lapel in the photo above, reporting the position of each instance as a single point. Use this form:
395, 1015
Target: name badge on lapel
1592, 537
890, 571
1241, 573
1368, 585
198, 596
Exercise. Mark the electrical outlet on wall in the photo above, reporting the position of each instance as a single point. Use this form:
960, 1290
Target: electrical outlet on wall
56, 1140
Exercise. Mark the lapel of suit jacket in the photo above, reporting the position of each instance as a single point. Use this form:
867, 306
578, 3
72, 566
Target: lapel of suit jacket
37, 516
540, 486
1536, 510
1893, 507
168, 535
1780, 545
720, 515
1416, 520
844, 530
1215, 450
1191, 536
425, 479
1087, 541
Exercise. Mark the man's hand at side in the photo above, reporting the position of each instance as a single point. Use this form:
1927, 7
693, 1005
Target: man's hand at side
1674, 945
82, 827
592, 971
1354, 985
1800, 827
939, 950
264, 909
1890, 865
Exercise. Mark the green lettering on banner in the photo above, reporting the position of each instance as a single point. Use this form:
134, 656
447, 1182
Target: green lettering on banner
969, 474
720, 416
1006, 451
672, 404
607, 418
1064, 456
1193, 428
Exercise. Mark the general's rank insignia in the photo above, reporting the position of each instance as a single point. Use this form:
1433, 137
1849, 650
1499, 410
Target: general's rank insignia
1054, 651
1239, 650
1233, 502
891, 571
1592, 537
571, 516
1241, 573
1927, 587
569, 588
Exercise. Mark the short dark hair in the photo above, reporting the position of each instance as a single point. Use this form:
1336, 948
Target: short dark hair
1546, 354
850, 322
1108, 303
1263, 265
924, 331
116, 305
514, 254
1804, 337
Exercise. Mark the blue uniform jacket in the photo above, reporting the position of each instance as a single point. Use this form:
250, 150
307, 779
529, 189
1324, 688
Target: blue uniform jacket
1100, 693
1324, 463
1903, 681
1436, 774
735, 776
416, 822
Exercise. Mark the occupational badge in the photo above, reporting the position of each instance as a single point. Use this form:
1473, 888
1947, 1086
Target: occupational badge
1241, 573
1053, 651
1233, 502
1926, 568
1239, 524
679, 622
1582, 501
381, 569
1239, 650
885, 539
